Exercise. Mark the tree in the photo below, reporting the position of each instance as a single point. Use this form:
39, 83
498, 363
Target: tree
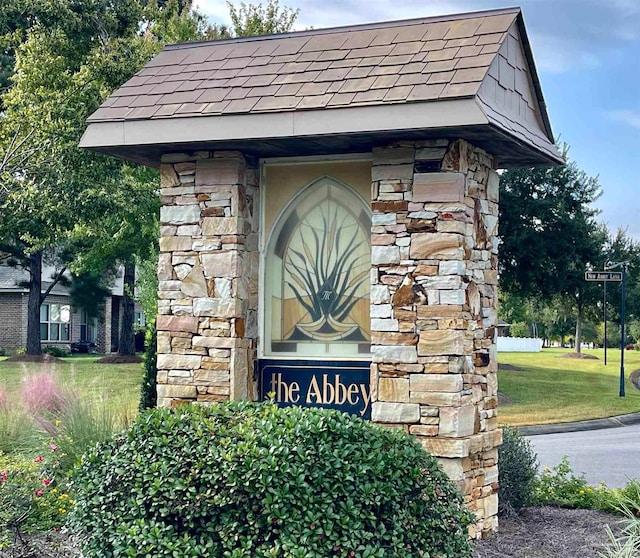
550, 236
68, 57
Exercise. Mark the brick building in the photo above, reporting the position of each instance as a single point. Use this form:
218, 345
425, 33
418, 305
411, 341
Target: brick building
60, 323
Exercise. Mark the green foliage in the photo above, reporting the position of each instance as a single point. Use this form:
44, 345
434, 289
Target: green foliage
31, 497
269, 19
81, 424
58, 352
559, 486
627, 544
517, 468
17, 431
613, 334
254, 480
519, 329
148, 391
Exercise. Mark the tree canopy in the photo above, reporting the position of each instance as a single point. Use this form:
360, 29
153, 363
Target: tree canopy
60, 60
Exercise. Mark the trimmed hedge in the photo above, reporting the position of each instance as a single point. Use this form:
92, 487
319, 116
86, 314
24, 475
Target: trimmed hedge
253, 480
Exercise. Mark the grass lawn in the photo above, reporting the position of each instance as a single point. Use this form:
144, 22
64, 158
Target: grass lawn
550, 388
118, 384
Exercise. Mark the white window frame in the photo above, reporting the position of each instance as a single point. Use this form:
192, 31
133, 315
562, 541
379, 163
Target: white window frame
62, 308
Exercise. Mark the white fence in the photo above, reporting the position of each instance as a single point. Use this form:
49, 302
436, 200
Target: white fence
519, 345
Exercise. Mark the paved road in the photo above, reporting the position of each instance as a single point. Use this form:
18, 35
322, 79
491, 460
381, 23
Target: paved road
611, 455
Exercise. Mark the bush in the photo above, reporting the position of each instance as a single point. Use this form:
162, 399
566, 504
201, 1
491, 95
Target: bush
148, 390
56, 351
517, 467
559, 486
252, 480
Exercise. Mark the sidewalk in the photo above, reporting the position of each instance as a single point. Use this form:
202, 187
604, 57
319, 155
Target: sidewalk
596, 424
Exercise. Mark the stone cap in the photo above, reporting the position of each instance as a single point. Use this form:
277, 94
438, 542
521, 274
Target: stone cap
278, 86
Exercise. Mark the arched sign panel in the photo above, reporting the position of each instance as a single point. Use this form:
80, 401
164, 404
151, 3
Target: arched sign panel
316, 300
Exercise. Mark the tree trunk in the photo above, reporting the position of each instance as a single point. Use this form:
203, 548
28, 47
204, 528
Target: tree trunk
33, 306
127, 342
579, 328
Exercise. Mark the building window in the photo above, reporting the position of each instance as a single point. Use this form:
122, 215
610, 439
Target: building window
88, 327
139, 319
317, 275
54, 322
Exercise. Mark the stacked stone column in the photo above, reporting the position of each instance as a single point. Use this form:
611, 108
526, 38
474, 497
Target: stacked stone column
433, 308
208, 278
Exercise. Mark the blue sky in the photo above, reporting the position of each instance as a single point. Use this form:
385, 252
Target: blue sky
588, 56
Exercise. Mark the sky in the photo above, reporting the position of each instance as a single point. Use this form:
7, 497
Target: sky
587, 53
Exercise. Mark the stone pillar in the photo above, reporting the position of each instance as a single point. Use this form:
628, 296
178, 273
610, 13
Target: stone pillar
433, 308
208, 278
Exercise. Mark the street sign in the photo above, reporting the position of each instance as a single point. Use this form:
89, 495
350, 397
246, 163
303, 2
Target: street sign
603, 275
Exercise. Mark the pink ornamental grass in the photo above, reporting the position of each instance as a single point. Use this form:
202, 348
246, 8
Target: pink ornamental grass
41, 393
4, 400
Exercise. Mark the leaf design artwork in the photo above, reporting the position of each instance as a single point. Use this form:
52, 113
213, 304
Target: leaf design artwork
325, 266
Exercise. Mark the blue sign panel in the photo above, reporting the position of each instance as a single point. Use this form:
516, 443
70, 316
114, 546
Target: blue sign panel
342, 385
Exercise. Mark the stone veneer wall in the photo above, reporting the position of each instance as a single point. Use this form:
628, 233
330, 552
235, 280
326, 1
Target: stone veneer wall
208, 278
433, 308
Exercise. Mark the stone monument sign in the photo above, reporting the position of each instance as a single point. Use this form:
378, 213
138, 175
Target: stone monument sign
329, 220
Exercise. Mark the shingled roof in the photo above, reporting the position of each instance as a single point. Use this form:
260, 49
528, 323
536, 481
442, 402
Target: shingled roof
259, 93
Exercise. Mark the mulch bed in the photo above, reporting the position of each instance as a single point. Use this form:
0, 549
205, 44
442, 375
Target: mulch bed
119, 359
45, 357
536, 533
549, 533
579, 355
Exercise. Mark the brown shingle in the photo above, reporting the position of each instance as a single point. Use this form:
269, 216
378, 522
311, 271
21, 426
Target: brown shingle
384, 82
463, 28
355, 85
425, 92
412, 79
443, 54
277, 103
359, 72
399, 93
288, 89
371, 96
475, 61
310, 89
316, 101
469, 74
240, 105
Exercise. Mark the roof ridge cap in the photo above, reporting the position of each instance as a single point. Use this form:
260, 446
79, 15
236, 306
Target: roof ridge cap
349, 28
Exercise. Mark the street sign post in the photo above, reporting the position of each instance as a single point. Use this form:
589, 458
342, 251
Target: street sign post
603, 276
607, 277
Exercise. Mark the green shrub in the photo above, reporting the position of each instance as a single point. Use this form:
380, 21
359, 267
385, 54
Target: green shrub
517, 467
559, 486
148, 391
3, 352
56, 351
252, 480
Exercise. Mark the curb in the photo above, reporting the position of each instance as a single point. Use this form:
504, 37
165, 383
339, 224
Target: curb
596, 424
